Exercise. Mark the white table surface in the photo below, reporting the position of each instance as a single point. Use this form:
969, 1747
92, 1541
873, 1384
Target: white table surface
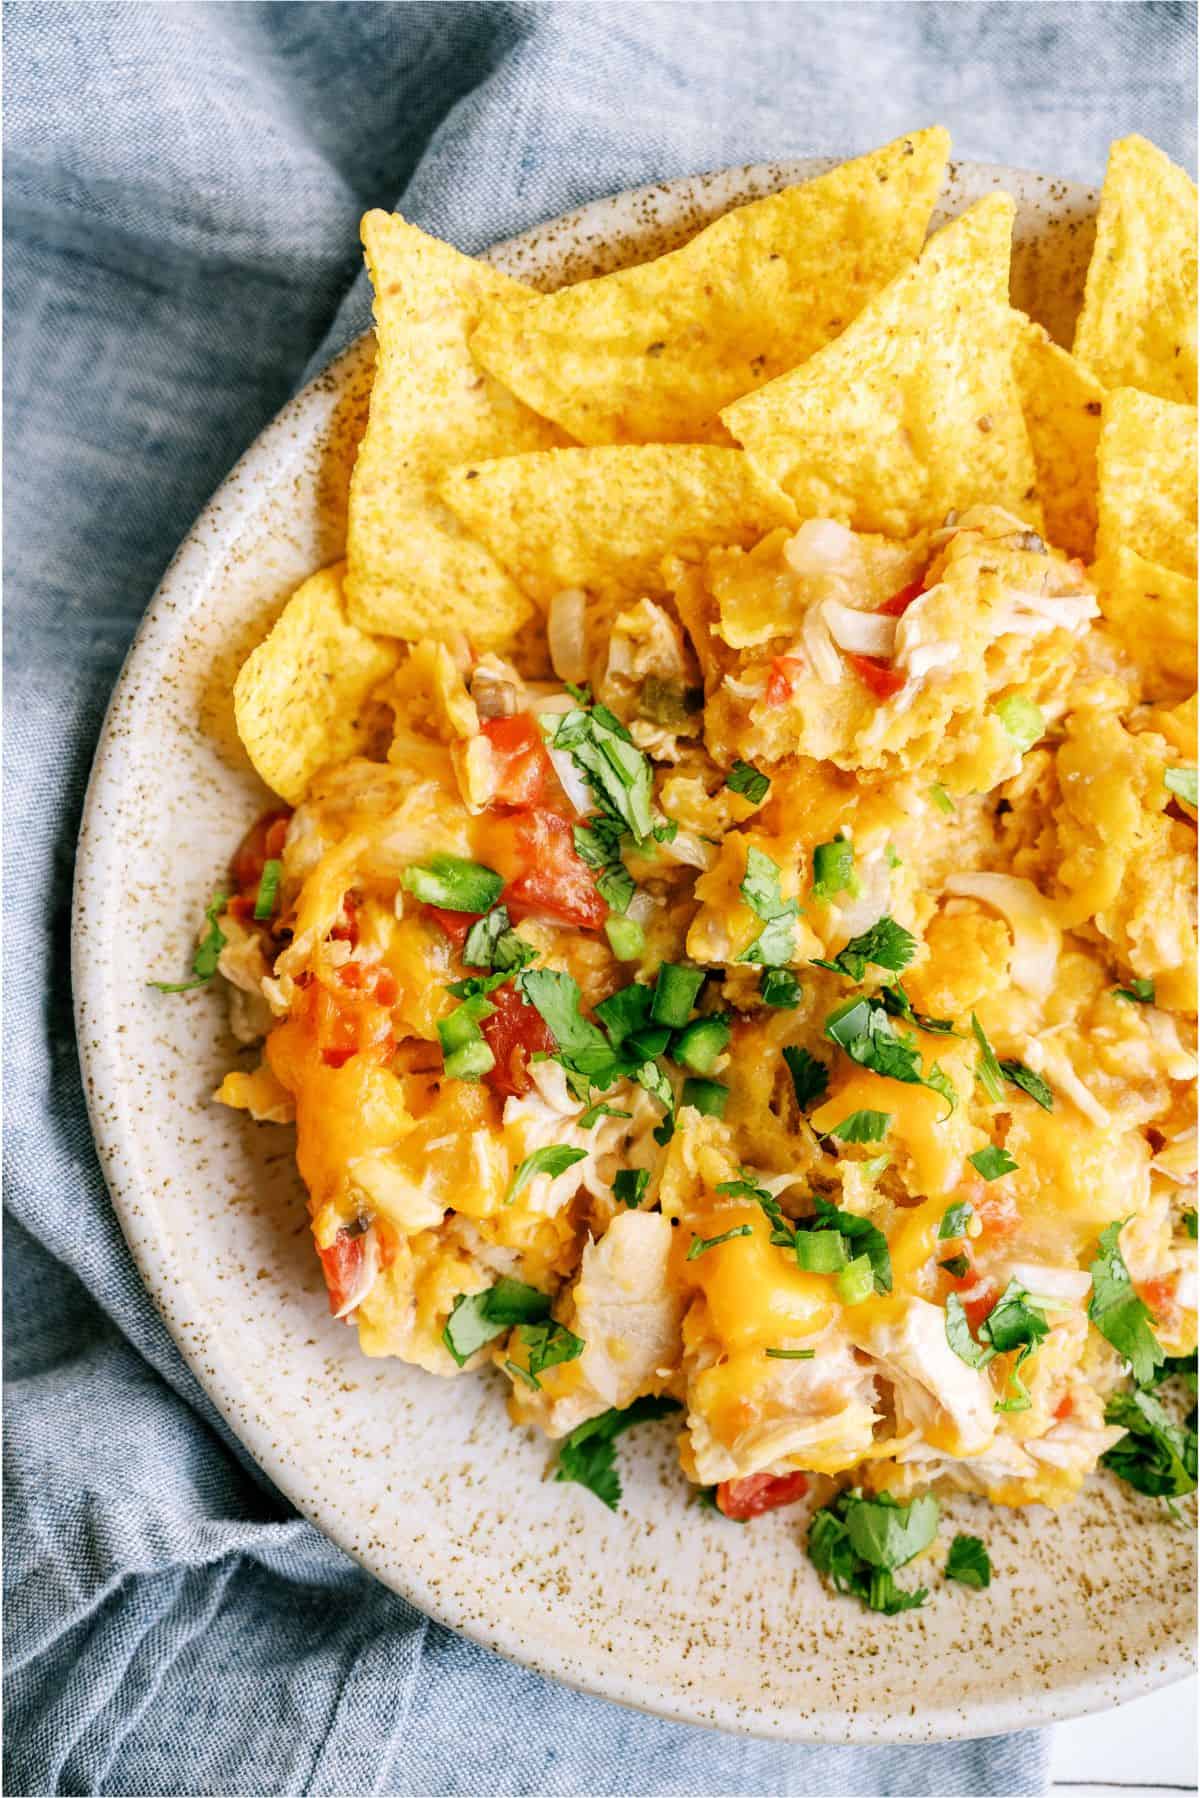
1148, 1747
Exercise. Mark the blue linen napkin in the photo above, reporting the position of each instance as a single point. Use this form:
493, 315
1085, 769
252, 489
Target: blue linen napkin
183, 185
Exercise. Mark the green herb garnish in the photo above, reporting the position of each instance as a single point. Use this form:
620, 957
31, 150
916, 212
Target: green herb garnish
207, 952
629, 1185
700, 1245
553, 1160
775, 944
810, 1077
587, 1456
1029, 1082
885, 945
746, 779
1121, 1317
779, 987
968, 1563
1138, 992
477, 1318
858, 1544
993, 1162
268, 891
863, 1126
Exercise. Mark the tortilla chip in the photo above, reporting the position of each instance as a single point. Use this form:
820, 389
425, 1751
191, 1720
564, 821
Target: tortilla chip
1062, 404
651, 354
1146, 464
411, 570
1138, 323
914, 410
604, 518
1152, 610
303, 698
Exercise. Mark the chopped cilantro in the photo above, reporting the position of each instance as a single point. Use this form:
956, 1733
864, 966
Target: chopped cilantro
968, 1563
1029, 1082
958, 1335
553, 1160
897, 1004
1013, 1322
988, 1071
1157, 1456
207, 952
858, 1543
1189, 1222
549, 1344
993, 1162
493, 943
779, 987
477, 1318
619, 775
775, 943
1118, 1313
700, 1245
833, 869
629, 1184
865, 1031
954, 1222
958, 1265
863, 1126
810, 1077
885, 945
1138, 992
594, 1113
746, 779
1182, 782
587, 1456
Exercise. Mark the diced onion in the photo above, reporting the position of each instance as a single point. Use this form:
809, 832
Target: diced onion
566, 634
689, 850
822, 547
865, 633
1069, 1283
1037, 939
572, 781
819, 645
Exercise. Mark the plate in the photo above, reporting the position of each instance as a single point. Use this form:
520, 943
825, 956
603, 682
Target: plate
663, 1606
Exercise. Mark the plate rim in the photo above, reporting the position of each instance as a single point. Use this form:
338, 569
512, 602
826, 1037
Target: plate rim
987, 1716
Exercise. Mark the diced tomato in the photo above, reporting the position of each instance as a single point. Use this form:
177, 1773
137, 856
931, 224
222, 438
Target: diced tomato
513, 1033
1159, 1297
370, 978
347, 932
781, 677
978, 1300
1064, 1407
553, 879
759, 1492
883, 680
998, 1214
524, 771
262, 843
455, 924
898, 604
341, 1264
348, 1023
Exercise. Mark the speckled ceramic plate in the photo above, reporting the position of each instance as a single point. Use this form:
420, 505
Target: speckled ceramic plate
424, 1480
